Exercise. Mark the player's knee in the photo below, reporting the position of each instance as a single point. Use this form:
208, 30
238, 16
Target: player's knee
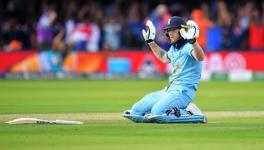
137, 109
157, 110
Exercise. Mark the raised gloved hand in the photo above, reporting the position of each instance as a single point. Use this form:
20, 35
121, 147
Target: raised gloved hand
191, 33
149, 35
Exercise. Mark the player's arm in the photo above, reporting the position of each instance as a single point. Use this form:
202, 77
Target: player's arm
198, 52
149, 37
160, 53
191, 34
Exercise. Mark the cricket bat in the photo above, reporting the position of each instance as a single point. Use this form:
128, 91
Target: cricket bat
41, 121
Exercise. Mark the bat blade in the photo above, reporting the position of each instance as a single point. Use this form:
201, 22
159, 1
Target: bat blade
23, 121
42, 121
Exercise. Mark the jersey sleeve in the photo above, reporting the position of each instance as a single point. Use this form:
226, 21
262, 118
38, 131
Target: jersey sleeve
188, 50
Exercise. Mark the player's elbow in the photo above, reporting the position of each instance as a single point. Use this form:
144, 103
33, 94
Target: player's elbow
200, 58
166, 61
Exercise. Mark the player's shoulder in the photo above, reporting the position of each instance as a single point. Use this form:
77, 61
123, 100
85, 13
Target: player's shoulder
171, 48
187, 46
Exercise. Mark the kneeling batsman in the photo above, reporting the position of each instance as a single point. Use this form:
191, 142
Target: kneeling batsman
174, 103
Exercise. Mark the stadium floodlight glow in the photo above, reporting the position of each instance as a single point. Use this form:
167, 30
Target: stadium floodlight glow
42, 121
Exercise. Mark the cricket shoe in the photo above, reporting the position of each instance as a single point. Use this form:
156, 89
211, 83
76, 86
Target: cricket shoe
192, 108
127, 113
205, 120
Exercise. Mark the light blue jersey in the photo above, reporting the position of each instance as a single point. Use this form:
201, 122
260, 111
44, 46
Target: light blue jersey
172, 104
186, 69
178, 94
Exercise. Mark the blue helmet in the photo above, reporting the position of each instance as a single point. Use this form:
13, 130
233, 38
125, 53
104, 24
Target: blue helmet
175, 22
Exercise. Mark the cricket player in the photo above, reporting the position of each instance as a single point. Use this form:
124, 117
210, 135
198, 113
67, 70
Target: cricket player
173, 104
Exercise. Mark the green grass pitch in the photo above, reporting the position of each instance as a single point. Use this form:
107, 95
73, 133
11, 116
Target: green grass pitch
89, 96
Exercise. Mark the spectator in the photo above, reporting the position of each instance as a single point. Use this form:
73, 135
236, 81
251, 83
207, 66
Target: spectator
204, 24
45, 29
16, 32
240, 29
60, 46
132, 28
97, 20
14, 45
112, 31
32, 28
256, 31
160, 17
224, 20
85, 35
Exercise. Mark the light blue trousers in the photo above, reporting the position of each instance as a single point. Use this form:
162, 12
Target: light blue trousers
156, 103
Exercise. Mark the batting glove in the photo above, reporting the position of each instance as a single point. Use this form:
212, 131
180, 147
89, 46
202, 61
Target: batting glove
149, 35
191, 33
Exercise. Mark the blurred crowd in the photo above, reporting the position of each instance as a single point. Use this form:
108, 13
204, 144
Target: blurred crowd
86, 25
